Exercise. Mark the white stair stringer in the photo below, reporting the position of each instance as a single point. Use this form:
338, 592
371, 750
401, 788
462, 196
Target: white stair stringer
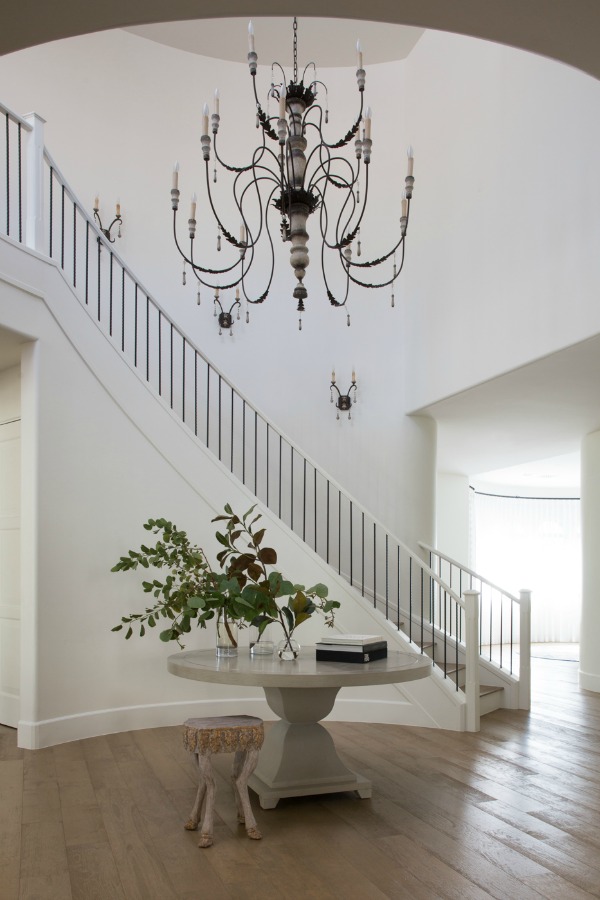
63, 696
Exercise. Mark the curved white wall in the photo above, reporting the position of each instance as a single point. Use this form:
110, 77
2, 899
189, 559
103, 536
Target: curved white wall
589, 667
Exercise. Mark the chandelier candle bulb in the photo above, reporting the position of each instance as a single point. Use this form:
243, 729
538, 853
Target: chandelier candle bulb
205, 120
175, 182
368, 117
282, 103
217, 98
250, 36
411, 160
193, 207
404, 205
359, 56
96, 203
118, 208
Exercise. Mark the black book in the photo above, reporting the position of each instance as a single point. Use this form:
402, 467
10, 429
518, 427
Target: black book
350, 656
351, 648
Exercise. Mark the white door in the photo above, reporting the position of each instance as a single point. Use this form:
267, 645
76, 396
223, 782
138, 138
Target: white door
10, 568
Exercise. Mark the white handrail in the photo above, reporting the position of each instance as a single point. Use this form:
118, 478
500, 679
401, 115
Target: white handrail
471, 572
14, 117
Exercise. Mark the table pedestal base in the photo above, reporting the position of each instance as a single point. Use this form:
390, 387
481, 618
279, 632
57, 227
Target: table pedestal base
299, 757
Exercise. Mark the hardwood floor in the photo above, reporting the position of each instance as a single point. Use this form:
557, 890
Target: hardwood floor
511, 812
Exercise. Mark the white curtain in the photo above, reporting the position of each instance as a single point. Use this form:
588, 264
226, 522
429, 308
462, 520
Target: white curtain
533, 543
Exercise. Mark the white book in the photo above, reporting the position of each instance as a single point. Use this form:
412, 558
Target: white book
357, 640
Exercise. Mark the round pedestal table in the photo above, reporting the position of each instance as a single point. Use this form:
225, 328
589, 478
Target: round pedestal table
299, 757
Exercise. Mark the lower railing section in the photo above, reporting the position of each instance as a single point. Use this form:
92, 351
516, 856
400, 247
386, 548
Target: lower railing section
504, 634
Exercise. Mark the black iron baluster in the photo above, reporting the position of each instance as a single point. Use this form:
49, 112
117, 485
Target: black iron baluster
8, 174
398, 590
339, 532
87, 259
219, 416
62, 227
292, 488
410, 596
267, 463
183, 346
51, 211
315, 505
280, 470
135, 326
147, 332
159, 353
232, 398
244, 451
327, 526
171, 365
501, 626
422, 611
196, 393
387, 584
74, 244
99, 280
122, 305
110, 297
20, 181
374, 565
304, 502
207, 405
362, 554
351, 544
255, 452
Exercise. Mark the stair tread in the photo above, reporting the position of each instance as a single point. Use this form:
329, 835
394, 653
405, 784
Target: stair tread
489, 689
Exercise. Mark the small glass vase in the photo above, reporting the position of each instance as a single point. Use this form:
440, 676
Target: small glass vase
261, 644
227, 635
288, 649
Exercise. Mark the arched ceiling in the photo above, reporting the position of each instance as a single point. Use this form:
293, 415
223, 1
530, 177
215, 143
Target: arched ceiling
567, 32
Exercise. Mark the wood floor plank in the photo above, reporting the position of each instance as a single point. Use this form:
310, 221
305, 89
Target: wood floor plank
510, 812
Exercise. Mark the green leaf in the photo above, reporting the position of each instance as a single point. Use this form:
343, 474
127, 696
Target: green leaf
116, 628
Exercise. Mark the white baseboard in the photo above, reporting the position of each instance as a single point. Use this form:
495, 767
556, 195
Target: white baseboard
47, 733
589, 682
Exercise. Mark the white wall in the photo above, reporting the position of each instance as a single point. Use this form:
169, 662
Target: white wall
452, 519
503, 263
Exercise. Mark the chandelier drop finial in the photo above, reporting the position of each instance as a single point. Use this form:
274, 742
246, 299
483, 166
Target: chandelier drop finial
283, 176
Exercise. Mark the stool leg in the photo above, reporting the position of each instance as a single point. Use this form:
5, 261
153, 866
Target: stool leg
244, 765
206, 832
192, 822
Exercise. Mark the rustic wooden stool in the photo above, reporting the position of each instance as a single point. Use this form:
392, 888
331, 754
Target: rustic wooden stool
242, 735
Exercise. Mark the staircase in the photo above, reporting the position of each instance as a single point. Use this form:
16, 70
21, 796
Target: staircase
414, 601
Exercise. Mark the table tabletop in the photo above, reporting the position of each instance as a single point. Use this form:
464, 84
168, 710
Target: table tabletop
303, 672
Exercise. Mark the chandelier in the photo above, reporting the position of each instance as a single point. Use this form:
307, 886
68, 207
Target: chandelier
298, 183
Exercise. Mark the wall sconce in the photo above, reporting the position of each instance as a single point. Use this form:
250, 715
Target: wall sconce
226, 318
117, 219
344, 401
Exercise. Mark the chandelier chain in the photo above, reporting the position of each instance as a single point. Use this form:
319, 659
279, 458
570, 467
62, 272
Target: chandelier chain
295, 50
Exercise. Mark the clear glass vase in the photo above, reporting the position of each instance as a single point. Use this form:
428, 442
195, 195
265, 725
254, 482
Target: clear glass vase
261, 644
227, 635
288, 649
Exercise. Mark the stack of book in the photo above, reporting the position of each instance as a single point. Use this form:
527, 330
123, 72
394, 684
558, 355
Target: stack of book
354, 648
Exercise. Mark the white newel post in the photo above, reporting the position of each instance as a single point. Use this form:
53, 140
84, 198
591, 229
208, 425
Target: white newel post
472, 683
34, 223
525, 650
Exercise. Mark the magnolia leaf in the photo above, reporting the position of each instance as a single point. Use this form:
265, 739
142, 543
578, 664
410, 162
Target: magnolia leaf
267, 555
